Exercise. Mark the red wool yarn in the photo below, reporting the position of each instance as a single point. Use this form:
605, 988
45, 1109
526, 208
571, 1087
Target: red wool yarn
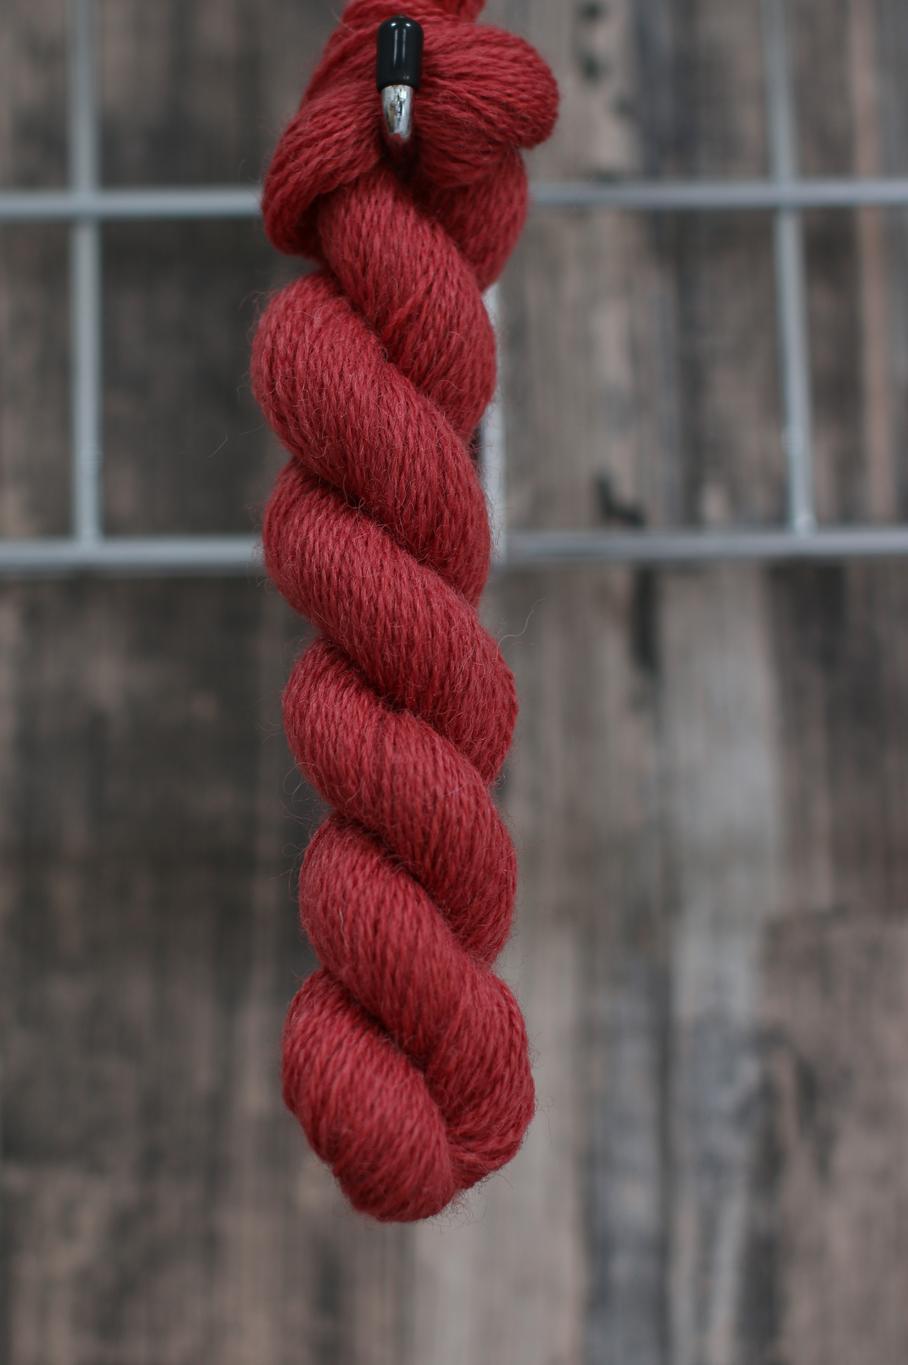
405, 1057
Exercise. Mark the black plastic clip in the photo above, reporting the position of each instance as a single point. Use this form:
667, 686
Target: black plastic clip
398, 72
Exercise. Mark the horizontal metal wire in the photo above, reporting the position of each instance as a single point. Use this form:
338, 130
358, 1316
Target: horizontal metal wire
215, 556
668, 196
528, 548
65, 206
678, 196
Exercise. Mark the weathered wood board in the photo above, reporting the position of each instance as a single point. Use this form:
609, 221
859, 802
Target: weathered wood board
707, 790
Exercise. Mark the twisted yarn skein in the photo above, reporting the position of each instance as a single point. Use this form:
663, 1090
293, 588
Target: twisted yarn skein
405, 1056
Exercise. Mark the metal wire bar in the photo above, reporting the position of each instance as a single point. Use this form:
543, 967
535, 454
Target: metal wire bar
717, 196
85, 255
533, 548
493, 446
791, 290
644, 196
216, 556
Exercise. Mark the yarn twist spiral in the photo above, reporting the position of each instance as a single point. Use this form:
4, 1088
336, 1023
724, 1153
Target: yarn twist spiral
405, 1057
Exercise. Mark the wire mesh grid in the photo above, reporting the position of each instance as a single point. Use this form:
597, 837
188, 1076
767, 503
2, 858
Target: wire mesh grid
86, 206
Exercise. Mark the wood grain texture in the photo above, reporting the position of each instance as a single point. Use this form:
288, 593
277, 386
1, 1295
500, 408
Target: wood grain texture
187, 448
707, 790
34, 381
33, 141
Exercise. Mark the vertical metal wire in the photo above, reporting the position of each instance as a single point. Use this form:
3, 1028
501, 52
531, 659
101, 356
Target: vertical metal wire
494, 446
791, 292
85, 280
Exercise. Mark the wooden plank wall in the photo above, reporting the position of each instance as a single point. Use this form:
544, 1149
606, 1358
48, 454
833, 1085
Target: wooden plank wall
707, 791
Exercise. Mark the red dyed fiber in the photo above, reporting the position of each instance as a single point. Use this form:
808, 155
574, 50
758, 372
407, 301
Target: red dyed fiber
405, 1057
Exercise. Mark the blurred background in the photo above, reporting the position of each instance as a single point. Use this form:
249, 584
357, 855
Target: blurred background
710, 778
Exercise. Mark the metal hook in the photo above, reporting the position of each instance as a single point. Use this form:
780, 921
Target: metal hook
398, 73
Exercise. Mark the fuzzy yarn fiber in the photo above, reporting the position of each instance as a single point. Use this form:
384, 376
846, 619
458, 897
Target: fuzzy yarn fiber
405, 1056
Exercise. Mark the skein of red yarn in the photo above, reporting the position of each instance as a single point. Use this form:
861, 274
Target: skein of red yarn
405, 1057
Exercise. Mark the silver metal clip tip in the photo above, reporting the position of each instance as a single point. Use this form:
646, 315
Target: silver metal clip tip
397, 108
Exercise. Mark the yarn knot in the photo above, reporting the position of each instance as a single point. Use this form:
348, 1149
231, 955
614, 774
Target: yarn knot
405, 1056
485, 93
